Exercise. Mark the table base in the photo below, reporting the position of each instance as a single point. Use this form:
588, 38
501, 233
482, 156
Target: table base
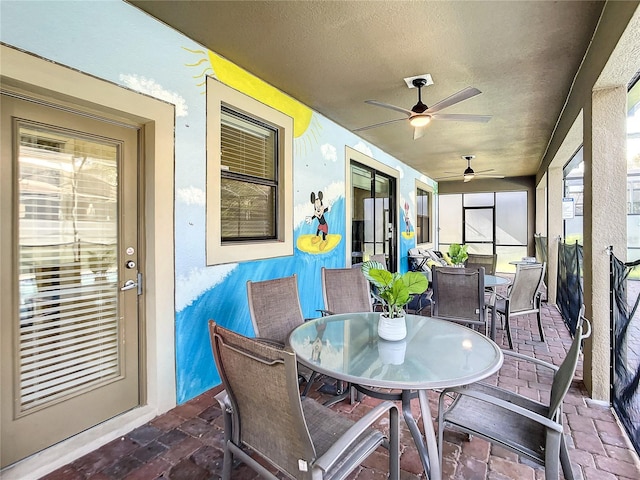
429, 452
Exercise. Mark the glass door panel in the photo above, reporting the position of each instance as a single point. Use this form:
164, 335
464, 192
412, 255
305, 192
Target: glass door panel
373, 224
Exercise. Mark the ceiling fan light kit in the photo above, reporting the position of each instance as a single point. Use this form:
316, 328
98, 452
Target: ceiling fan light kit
420, 121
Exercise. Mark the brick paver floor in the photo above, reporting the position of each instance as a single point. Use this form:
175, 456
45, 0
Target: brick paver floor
186, 442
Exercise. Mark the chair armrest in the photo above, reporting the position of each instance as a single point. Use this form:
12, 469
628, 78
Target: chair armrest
324, 313
337, 449
498, 294
527, 358
470, 392
223, 400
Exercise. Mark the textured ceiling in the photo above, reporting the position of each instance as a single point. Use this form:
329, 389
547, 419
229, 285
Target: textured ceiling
332, 56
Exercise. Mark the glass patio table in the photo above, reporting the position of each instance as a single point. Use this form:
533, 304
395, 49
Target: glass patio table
435, 354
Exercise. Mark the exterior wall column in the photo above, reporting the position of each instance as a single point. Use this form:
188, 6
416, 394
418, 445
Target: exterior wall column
605, 177
555, 193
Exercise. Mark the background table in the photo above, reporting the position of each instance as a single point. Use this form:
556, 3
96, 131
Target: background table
435, 354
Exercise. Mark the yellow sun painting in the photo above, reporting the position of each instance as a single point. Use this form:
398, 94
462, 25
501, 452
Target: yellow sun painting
243, 81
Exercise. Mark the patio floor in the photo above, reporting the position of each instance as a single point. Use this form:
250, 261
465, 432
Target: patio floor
186, 442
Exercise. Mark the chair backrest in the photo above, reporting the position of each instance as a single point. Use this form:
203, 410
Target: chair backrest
345, 290
476, 260
458, 293
563, 377
262, 385
380, 258
526, 287
274, 307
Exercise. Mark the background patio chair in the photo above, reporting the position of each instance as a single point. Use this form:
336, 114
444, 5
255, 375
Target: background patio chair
523, 297
380, 258
458, 295
301, 438
345, 290
274, 306
524, 426
476, 260
421, 260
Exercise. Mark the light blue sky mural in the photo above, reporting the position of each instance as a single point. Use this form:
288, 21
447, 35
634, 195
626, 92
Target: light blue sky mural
114, 41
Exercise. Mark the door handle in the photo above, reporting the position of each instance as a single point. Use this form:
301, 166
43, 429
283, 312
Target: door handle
129, 285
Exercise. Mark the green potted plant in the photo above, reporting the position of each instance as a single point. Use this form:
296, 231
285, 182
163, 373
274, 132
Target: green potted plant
457, 254
394, 290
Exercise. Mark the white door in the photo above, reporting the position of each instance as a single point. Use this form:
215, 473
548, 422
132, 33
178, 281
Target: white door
69, 243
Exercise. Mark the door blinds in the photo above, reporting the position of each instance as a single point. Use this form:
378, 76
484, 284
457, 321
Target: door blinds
68, 229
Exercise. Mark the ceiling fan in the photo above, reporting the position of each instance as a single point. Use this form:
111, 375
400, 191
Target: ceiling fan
469, 174
421, 115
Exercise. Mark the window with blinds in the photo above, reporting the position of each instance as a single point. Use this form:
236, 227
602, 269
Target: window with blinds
423, 216
67, 229
249, 178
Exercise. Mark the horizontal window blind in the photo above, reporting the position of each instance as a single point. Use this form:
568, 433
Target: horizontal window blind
249, 183
68, 228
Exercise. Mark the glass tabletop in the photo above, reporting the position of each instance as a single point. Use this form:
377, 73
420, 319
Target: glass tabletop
494, 280
435, 354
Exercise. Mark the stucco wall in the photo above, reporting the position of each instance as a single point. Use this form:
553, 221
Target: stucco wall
113, 41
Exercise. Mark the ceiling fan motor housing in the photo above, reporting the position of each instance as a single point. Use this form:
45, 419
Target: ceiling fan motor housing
419, 107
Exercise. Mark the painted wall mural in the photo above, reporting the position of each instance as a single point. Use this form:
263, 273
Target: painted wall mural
131, 49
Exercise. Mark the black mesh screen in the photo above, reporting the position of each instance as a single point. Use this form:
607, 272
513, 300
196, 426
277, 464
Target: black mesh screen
570, 296
625, 326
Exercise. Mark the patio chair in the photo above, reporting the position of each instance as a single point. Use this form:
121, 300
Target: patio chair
421, 260
476, 260
524, 426
380, 258
345, 290
274, 306
458, 295
523, 297
301, 438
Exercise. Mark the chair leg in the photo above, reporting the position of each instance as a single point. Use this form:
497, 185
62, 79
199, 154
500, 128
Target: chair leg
552, 456
565, 461
508, 327
227, 462
394, 444
307, 387
540, 330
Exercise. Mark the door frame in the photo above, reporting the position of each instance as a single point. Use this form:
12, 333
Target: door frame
355, 155
493, 225
43, 79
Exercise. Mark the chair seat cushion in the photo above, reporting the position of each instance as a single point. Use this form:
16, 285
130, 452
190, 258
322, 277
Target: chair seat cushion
499, 425
326, 426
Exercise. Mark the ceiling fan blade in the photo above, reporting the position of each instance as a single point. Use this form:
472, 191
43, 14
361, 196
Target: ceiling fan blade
485, 171
418, 132
461, 117
463, 94
378, 124
450, 176
489, 176
391, 107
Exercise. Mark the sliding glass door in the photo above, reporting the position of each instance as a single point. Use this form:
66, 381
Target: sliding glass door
373, 216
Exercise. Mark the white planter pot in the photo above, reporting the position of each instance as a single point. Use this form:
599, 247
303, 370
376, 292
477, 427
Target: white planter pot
392, 329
